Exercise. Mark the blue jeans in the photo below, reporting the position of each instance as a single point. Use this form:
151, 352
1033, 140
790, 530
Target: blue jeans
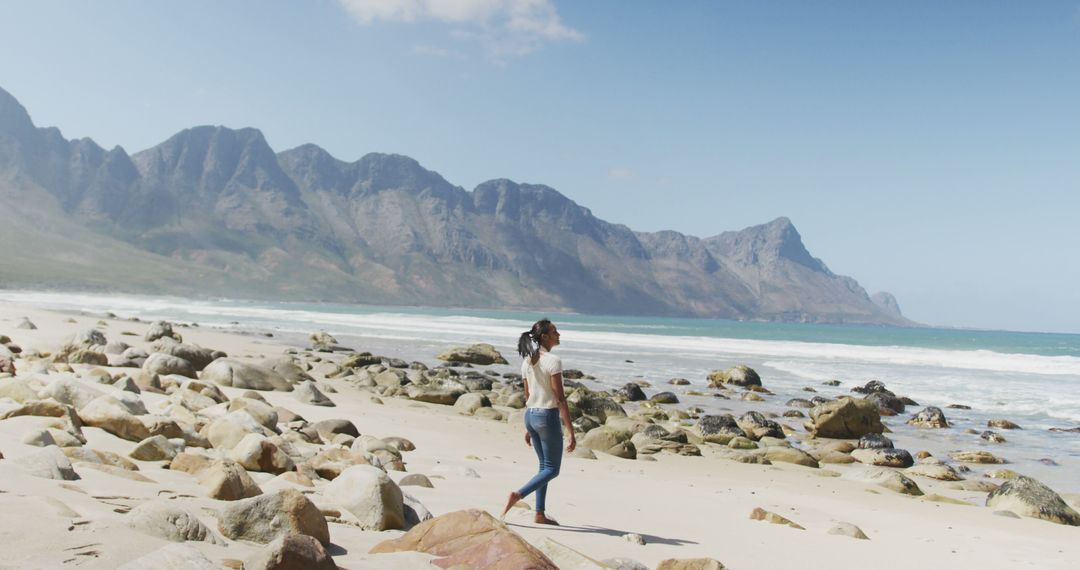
546, 433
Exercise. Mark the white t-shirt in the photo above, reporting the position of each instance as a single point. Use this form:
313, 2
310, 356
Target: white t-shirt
538, 377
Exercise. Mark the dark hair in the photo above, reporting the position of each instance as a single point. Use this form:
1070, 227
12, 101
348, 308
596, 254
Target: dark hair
529, 341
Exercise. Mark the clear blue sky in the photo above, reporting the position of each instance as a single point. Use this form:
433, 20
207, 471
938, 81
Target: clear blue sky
931, 149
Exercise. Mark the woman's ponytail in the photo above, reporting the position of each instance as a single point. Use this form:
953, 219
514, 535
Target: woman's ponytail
526, 347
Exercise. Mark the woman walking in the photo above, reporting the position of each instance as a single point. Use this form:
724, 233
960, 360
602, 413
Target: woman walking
545, 401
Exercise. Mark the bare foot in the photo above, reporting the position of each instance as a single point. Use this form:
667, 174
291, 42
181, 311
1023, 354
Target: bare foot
541, 518
511, 501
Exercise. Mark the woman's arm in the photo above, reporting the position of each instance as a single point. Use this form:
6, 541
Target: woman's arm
564, 409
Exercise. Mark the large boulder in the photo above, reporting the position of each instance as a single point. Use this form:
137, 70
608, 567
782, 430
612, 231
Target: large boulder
161, 329
1028, 497
884, 457
845, 418
940, 472
481, 353
265, 518
297, 552
288, 369
70, 391
469, 539
471, 402
164, 519
757, 426
327, 429
308, 393
155, 448
609, 440
433, 395
198, 356
740, 375
369, 495
164, 364
887, 478
230, 372
227, 481
788, 455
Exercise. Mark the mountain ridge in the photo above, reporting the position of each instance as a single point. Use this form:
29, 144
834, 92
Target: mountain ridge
303, 224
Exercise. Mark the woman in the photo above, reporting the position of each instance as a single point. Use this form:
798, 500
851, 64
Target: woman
546, 402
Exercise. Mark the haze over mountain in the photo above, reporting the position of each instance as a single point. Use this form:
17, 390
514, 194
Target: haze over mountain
215, 211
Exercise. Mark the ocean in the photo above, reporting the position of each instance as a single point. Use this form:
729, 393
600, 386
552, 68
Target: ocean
1032, 379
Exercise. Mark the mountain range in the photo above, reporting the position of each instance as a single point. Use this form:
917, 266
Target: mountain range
214, 211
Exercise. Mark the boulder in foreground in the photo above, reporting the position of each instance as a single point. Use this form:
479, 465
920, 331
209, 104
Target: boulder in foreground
265, 518
1028, 497
291, 553
471, 539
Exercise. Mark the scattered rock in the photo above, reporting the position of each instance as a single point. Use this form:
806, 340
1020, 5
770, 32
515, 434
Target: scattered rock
109, 414
664, 398
939, 472
884, 457
892, 480
845, 418
164, 519
481, 353
992, 436
976, 457
875, 441
740, 375
172, 557
1028, 497
264, 518
229, 372
48, 463
415, 480
929, 417
848, 529
154, 448
1002, 424
161, 329
227, 481
309, 393
759, 514
295, 552
690, 564
370, 495
26, 324
256, 453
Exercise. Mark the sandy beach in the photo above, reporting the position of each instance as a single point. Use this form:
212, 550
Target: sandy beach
681, 506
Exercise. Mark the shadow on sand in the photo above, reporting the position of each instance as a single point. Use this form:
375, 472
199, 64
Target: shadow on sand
649, 538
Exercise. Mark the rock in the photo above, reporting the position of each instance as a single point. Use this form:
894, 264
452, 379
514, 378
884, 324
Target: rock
939, 472
845, 418
297, 552
469, 539
191, 463
598, 406
109, 414
171, 557
442, 396
848, 529
93, 456
415, 480
87, 356
39, 438
875, 441
471, 403
664, 398
118, 472
85, 339
757, 426
163, 364
265, 415
606, 439
620, 563
161, 329
330, 463
26, 324
887, 402
237, 374
760, 514
690, 564
992, 436
892, 480
267, 517
256, 453
481, 353
164, 519
227, 431
884, 457
154, 448
1002, 424
288, 369
929, 417
975, 457
360, 360
226, 480
719, 429
197, 356
566, 558
322, 338
631, 391
789, 455
415, 511
309, 393
327, 429
1028, 497
370, 495
48, 463
740, 375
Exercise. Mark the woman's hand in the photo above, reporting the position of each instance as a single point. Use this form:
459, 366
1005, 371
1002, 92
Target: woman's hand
570, 447
528, 439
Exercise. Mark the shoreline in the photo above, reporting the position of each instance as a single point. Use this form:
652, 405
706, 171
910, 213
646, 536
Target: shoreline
683, 507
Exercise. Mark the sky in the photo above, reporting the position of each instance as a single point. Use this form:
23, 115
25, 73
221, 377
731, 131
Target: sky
928, 149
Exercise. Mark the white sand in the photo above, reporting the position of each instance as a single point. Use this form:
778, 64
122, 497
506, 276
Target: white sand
684, 507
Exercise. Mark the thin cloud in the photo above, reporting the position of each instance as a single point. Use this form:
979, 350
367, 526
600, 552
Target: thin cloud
503, 28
